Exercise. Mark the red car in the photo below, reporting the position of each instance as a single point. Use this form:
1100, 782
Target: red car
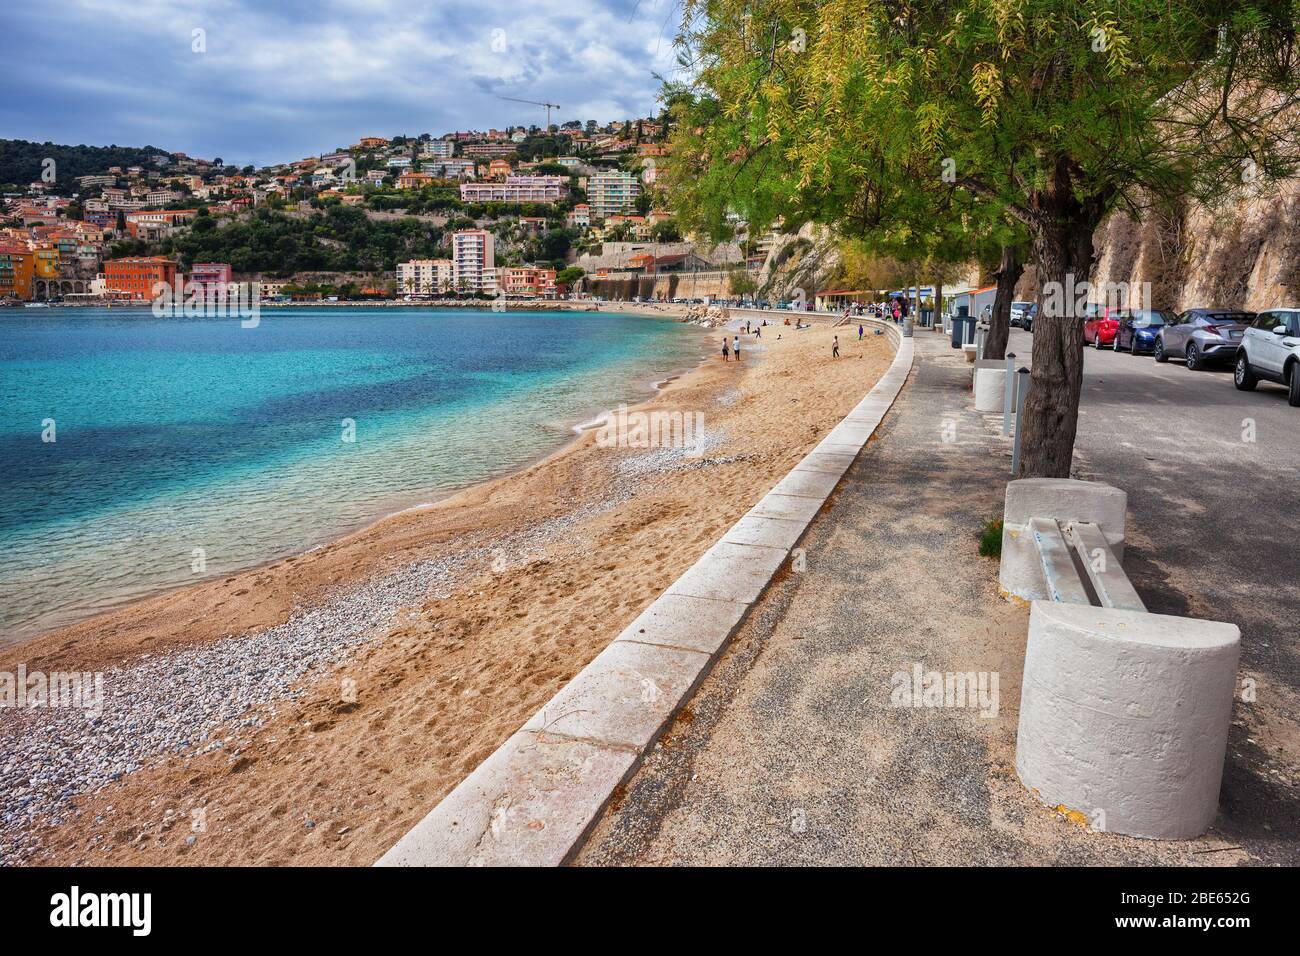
1100, 328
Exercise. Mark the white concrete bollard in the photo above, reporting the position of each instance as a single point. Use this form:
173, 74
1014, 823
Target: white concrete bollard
990, 385
1124, 717
1020, 574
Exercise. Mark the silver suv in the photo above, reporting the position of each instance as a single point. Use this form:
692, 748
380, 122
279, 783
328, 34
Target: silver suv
1204, 337
1270, 350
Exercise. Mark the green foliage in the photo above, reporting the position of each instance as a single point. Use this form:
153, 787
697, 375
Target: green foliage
537, 147
20, 161
666, 231
341, 239
991, 539
741, 283
937, 131
849, 120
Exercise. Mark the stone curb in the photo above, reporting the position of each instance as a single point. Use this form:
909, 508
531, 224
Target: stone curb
535, 799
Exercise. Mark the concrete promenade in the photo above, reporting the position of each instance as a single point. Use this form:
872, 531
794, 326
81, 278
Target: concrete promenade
807, 744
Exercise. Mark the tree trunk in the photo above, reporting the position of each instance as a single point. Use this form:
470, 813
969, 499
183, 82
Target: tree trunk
1062, 250
1009, 272
938, 302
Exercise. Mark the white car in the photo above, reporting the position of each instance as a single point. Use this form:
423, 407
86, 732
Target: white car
1270, 349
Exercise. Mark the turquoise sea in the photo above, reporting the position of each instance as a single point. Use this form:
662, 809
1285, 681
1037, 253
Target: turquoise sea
176, 434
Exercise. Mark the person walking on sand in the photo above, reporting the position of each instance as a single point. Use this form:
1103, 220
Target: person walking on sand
726, 352
735, 347
859, 333
835, 347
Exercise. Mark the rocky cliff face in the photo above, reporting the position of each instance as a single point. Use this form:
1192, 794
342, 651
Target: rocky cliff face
809, 259
1243, 254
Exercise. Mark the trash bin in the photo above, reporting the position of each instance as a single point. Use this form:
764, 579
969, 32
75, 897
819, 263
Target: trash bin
927, 316
963, 330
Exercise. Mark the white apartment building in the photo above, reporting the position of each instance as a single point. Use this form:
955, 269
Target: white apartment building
438, 149
473, 256
612, 191
425, 276
449, 168
517, 189
161, 197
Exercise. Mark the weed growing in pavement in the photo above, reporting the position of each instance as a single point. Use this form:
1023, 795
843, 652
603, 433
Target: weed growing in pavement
991, 539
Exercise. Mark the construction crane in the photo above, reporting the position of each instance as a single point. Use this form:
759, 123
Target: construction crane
549, 107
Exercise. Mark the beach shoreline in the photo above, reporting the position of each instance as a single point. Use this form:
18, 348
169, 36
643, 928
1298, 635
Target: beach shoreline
59, 621
496, 596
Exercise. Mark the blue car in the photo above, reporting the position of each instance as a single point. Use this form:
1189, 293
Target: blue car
1138, 329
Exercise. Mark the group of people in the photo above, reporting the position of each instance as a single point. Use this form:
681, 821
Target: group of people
896, 309
733, 347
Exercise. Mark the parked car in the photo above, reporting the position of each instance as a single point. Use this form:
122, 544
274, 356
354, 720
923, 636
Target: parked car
1099, 325
1270, 350
1019, 311
1204, 337
1138, 329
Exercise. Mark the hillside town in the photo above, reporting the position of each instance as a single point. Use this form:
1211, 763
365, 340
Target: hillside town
521, 212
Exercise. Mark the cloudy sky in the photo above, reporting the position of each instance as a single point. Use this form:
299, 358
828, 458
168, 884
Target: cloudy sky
266, 81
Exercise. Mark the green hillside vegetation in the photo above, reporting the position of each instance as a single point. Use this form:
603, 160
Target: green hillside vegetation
340, 239
21, 162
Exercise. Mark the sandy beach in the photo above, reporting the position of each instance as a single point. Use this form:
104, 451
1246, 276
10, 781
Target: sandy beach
311, 710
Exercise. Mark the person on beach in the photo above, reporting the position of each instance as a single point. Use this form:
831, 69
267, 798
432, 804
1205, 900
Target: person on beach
859, 333
758, 332
735, 347
835, 347
726, 352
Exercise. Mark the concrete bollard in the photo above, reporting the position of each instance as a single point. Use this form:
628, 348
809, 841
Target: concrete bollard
1020, 574
1124, 717
990, 385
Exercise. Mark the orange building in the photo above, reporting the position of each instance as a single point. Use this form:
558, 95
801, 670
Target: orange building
47, 262
414, 180
17, 268
136, 277
527, 280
